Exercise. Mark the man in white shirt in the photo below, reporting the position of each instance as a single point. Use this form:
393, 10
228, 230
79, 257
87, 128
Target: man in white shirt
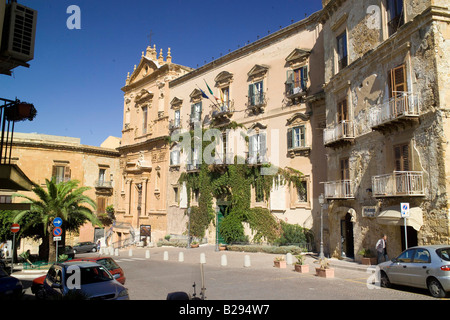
381, 249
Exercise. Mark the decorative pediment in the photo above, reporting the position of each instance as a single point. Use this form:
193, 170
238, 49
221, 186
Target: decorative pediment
176, 102
196, 94
224, 77
298, 54
143, 95
257, 127
145, 68
258, 70
298, 117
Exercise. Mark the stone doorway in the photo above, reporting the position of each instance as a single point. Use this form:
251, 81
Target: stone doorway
347, 241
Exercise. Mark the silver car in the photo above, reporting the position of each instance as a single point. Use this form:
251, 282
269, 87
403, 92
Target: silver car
421, 267
82, 280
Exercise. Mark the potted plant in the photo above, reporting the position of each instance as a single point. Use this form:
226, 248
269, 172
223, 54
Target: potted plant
368, 258
194, 244
324, 270
222, 246
300, 265
279, 262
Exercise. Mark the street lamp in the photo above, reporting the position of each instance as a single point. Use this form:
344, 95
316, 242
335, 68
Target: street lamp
321, 202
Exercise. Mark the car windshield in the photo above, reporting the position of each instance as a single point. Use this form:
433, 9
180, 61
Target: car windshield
109, 264
444, 253
94, 274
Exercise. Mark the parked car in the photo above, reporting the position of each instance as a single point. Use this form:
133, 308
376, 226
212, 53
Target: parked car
85, 247
425, 267
94, 283
107, 262
10, 287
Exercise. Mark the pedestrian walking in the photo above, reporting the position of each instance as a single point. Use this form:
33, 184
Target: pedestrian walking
381, 249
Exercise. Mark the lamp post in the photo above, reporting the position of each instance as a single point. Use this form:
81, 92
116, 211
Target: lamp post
321, 202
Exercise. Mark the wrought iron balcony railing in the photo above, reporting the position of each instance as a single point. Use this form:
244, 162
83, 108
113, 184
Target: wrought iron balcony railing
174, 124
103, 184
342, 189
224, 109
403, 106
257, 100
342, 131
398, 183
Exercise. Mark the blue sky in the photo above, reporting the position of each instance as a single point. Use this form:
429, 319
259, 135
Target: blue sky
75, 78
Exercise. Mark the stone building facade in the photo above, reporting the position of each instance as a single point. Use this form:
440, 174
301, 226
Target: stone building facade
272, 89
386, 87
141, 213
42, 156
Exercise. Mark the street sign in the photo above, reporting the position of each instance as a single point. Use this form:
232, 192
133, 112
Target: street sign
404, 209
56, 238
15, 227
57, 231
57, 222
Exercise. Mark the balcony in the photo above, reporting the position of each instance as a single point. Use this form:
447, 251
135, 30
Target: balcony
295, 90
339, 135
224, 158
192, 167
195, 117
174, 124
103, 184
257, 102
223, 111
342, 189
398, 184
397, 111
257, 158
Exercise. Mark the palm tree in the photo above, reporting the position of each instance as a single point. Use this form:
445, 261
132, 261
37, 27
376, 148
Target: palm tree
65, 200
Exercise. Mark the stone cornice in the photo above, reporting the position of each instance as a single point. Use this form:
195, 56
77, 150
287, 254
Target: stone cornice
67, 147
257, 45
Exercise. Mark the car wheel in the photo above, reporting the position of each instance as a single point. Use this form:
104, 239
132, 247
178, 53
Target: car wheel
384, 281
94, 250
435, 288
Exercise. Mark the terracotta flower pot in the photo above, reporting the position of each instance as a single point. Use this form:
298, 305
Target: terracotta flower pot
280, 264
302, 268
325, 273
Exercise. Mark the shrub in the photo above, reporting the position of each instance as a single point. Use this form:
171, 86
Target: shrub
291, 233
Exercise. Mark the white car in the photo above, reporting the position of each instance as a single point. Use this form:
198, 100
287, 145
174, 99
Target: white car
425, 267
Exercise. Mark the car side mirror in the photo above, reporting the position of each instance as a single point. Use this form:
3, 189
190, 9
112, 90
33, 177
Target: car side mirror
116, 276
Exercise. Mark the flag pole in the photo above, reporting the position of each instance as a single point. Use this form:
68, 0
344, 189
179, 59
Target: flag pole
208, 97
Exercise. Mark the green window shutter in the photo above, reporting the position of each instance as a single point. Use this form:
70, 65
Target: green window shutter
289, 138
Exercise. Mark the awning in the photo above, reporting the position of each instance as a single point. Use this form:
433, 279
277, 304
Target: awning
391, 216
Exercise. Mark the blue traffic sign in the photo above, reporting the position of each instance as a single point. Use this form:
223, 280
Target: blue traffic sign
57, 222
57, 231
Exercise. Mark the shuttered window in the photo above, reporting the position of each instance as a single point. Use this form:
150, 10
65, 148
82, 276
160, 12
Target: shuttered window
101, 205
61, 173
397, 81
342, 111
345, 171
401, 154
296, 137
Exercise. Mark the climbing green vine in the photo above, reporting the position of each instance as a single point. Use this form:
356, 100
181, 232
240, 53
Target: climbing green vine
233, 183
